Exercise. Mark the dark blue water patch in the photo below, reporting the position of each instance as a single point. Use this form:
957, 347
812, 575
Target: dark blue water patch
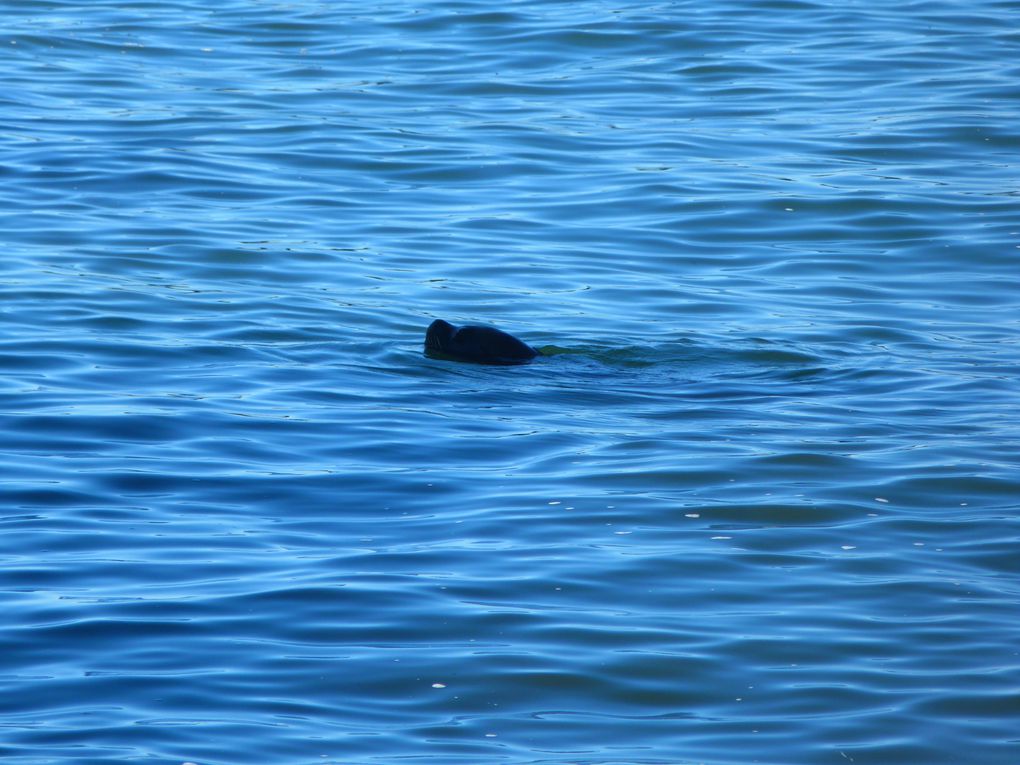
758, 502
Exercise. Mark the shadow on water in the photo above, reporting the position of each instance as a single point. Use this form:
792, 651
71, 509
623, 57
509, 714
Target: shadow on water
598, 374
692, 359
686, 351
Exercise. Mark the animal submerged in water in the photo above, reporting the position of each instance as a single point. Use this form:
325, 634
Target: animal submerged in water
482, 345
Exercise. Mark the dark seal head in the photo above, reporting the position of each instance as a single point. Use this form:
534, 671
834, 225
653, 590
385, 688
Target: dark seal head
482, 345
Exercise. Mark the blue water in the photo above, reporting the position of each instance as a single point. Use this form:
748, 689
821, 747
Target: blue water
758, 503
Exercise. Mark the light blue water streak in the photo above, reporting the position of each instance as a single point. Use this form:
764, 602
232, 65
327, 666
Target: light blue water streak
758, 504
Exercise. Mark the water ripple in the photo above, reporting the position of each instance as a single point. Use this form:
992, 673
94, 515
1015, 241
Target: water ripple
758, 496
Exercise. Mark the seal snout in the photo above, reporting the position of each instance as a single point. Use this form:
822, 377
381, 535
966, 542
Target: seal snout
438, 335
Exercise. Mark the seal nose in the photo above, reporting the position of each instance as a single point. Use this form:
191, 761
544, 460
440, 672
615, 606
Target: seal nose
438, 334
440, 325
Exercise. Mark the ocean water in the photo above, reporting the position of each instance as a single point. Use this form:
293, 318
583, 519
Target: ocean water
756, 503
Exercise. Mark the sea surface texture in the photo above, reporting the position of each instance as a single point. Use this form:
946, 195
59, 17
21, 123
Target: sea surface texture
757, 502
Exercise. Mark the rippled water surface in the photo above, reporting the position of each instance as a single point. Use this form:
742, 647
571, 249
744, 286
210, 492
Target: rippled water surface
756, 503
